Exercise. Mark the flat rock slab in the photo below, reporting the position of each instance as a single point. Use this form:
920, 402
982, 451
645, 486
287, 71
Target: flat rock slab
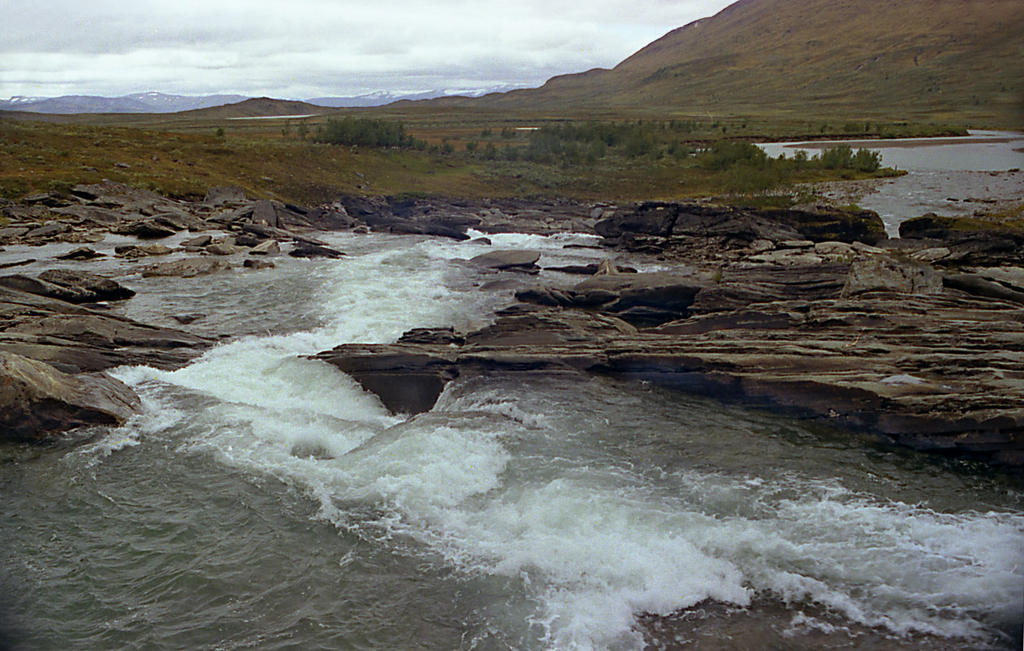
512, 259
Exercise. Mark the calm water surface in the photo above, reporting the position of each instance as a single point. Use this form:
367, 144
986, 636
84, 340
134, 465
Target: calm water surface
946, 176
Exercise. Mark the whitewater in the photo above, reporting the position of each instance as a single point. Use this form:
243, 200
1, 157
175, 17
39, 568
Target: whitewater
264, 500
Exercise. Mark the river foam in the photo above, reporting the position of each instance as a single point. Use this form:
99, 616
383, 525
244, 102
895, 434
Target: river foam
535, 491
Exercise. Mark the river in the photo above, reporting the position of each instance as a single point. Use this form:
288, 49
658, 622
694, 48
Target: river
947, 176
263, 500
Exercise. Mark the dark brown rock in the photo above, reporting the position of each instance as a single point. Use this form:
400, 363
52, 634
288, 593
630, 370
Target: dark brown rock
256, 264
92, 287
406, 378
81, 253
303, 250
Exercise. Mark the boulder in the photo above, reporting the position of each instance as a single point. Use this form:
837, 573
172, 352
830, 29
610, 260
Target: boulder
186, 267
43, 288
198, 241
221, 195
255, 263
133, 251
46, 232
223, 248
883, 273
264, 213
81, 253
508, 260
303, 250
266, 247
147, 229
406, 378
37, 400
93, 288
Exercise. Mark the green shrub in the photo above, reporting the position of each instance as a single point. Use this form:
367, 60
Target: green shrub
364, 132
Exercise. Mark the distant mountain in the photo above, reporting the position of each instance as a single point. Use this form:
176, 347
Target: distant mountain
163, 103
381, 98
933, 59
135, 103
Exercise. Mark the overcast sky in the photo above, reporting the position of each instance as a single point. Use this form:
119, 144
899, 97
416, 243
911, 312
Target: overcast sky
316, 48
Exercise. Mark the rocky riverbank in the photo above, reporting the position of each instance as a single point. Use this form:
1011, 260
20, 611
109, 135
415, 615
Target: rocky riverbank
811, 311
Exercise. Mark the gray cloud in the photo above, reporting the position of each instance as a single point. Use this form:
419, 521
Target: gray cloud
318, 47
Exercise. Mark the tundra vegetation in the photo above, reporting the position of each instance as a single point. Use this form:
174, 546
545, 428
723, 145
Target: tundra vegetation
317, 159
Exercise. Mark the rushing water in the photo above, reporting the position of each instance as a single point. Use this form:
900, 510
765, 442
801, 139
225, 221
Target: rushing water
263, 500
946, 176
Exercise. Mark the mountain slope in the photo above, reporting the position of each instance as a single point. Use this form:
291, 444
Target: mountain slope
938, 59
135, 103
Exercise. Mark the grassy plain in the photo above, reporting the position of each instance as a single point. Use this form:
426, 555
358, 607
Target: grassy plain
182, 155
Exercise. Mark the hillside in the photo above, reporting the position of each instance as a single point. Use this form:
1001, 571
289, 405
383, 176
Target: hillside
959, 60
257, 107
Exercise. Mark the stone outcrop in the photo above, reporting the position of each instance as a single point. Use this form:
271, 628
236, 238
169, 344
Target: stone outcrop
967, 241
75, 338
700, 230
883, 347
37, 400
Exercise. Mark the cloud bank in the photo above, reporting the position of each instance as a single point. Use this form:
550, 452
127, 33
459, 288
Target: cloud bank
309, 48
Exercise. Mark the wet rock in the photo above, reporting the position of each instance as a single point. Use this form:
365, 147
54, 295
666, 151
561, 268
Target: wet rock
46, 232
43, 288
642, 298
17, 263
75, 338
508, 260
92, 288
186, 267
37, 400
133, 251
223, 247
147, 229
248, 240
406, 378
81, 253
198, 241
8, 233
267, 247
256, 264
303, 250
436, 336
